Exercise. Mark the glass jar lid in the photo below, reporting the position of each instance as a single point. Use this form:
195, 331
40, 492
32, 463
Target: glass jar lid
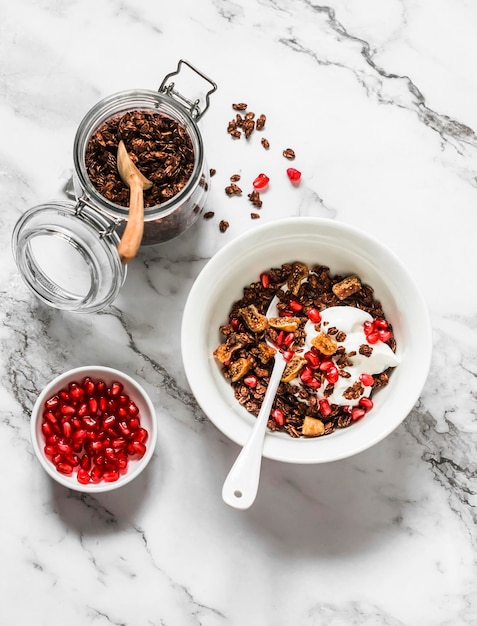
67, 255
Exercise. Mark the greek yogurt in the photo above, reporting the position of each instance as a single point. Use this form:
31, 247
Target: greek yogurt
374, 359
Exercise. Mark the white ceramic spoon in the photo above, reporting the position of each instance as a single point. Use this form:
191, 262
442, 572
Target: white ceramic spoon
241, 485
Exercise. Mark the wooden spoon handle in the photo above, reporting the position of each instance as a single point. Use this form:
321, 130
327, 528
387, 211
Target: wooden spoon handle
132, 236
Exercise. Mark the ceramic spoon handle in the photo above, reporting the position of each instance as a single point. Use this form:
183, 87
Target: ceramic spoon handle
241, 485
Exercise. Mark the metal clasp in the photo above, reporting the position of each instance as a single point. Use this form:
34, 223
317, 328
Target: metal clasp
193, 105
105, 227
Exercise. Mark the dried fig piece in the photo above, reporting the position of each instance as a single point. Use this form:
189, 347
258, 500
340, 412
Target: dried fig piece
254, 320
293, 368
300, 271
325, 344
238, 369
347, 287
312, 427
234, 342
266, 352
288, 324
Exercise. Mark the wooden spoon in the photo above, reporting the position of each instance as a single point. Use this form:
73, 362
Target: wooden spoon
137, 183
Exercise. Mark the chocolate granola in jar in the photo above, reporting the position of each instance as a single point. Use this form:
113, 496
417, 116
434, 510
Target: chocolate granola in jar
161, 135
67, 252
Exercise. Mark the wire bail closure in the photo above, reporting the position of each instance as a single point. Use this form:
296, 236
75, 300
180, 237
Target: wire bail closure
191, 105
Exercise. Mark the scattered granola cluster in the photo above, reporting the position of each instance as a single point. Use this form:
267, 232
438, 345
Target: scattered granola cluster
244, 124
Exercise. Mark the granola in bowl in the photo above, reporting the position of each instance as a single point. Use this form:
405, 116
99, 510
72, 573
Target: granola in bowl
332, 332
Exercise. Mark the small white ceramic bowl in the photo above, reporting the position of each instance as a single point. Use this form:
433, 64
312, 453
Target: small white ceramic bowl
135, 392
345, 250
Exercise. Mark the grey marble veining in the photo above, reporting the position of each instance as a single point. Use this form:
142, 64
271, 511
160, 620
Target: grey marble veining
378, 99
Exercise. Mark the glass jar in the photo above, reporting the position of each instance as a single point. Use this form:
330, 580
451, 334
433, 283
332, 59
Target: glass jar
67, 252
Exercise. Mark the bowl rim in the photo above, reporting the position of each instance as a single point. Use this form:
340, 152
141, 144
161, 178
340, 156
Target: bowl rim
305, 450
56, 384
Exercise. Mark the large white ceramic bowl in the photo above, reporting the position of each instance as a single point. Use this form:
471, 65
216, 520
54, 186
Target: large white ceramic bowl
132, 389
345, 250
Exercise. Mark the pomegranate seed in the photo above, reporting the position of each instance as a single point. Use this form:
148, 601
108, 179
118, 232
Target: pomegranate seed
63, 447
76, 393
306, 374
124, 428
52, 440
372, 337
142, 435
101, 387
82, 409
64, 395
96, 474
72, 460
283, 313
52, 403
280, 338
83, 476
85, 462
366, 403
278, 417
332, 375
67, 428
357, 413
314, 383
295, 306
261, 182
132, 409
293, 174
384, 335
90, 422
289, 339
50, 416
381, 323
111, 476
235, 323
93, 405
46, 429
119, 443
366, 379
314, 315
122, 412
95, 446
288, 355
78, 436
133, 424
102, 403
136, 448
312, 358
368, 327
325, 407
251, 381
67, 409
265, 280
49, 450
122, 463
88, 386
116, 389
64, 468
326, 365
109, 421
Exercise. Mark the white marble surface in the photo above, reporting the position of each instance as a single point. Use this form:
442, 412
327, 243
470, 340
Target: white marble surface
379, 100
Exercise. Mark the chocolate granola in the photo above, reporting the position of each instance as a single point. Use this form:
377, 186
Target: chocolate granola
247, 359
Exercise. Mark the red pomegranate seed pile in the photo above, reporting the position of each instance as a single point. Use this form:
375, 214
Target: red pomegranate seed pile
93, 430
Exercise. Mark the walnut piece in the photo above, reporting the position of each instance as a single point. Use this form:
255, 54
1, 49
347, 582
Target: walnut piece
312, 427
